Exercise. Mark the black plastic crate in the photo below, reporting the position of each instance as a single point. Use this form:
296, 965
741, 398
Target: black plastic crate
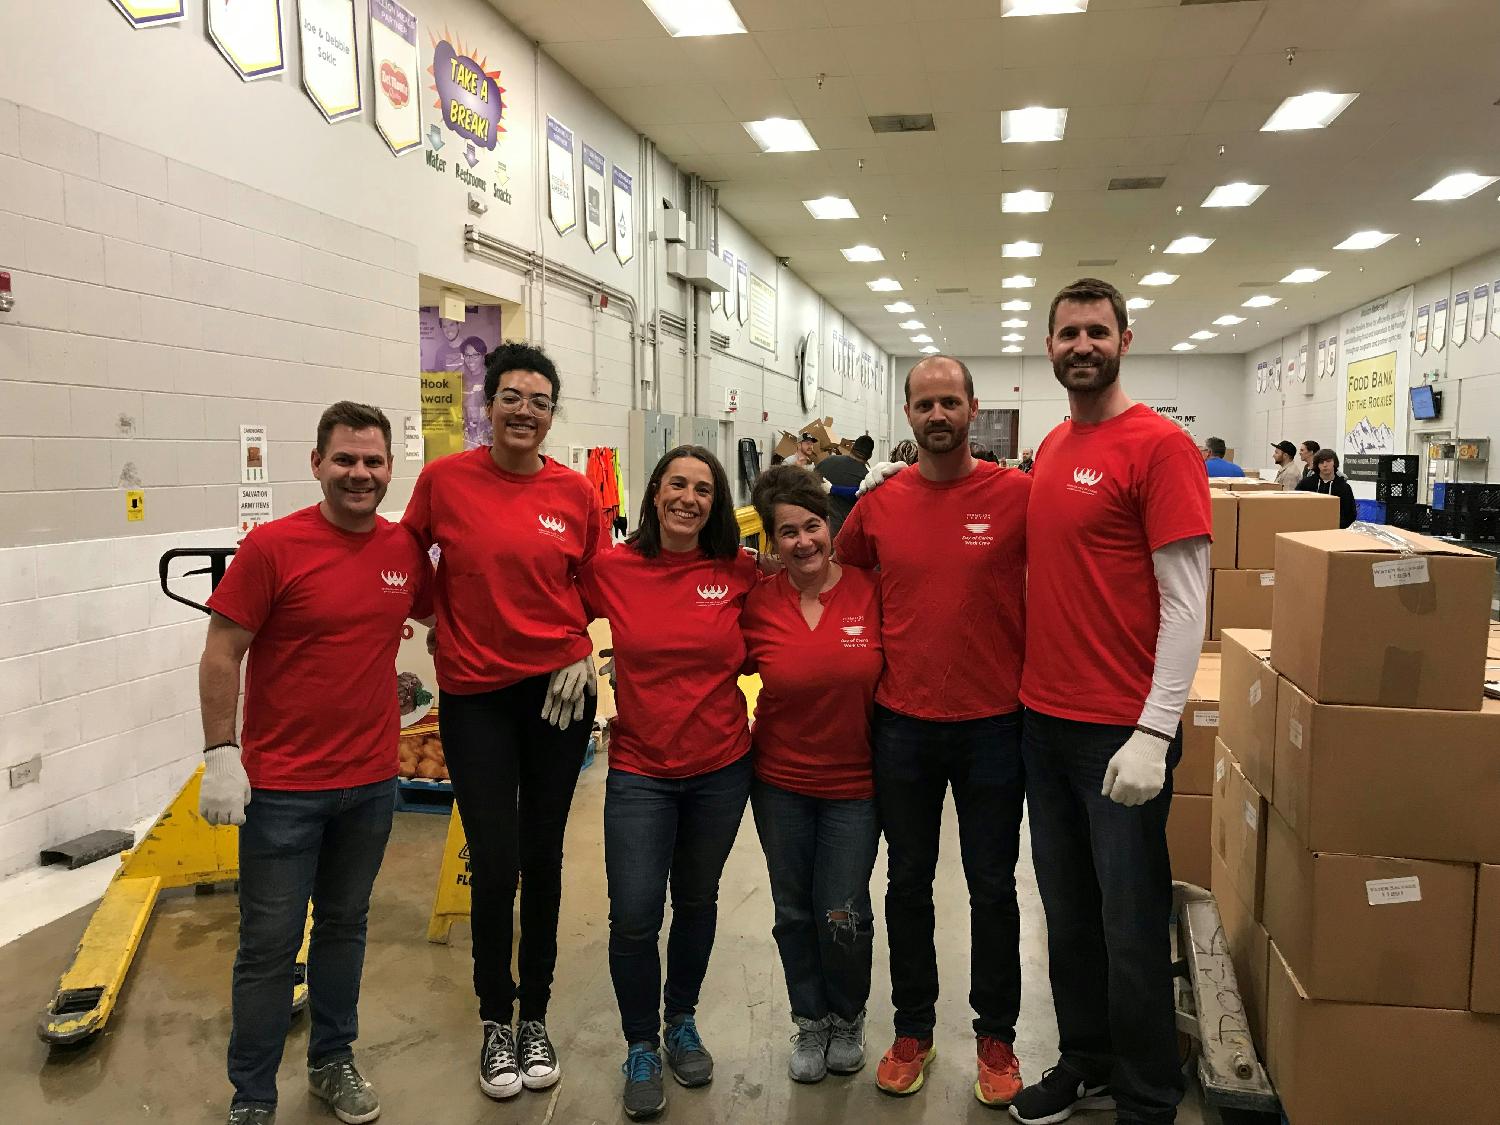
1487, 497
1485, 526
1403, 516
1439, 522
1396, 491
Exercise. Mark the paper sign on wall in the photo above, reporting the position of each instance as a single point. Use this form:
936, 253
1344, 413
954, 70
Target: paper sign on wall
595, 233
150, 13
1495, 309
330, 57
253, 454
562, 203
395, 67
248, 35
135, 505
411, 435
762, 311
624, 210
255, 508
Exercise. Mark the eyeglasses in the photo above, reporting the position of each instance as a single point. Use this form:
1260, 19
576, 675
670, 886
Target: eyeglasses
511, 401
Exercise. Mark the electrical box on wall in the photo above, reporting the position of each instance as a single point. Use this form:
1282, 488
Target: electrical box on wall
707, 270
451, 305
675, 226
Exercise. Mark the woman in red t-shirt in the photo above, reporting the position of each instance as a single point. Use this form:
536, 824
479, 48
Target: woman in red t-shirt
514, 527
813, 634
679, 765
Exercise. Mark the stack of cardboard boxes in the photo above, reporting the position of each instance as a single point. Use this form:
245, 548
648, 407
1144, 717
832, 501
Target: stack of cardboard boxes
1356, 841
822, 431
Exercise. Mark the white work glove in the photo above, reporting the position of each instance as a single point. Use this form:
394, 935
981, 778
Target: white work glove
225, 790
1137, 771
565, 691
827, 485
879, 473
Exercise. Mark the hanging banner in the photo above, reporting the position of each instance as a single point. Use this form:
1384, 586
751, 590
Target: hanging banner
394, 64
330, 57
624, 210
248, 35
1419, 335
730, 296
1376, 374
1481, 310
1322, 358
1440, 324
595, 233
1302, 372
762, 313
1460, 318
1333, 355
563, 202
146, 13
742, 296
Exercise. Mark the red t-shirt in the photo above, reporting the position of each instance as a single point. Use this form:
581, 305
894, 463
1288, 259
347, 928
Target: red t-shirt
812, 719
675, 620
507, 604
327, 607
952, 558
1105, 495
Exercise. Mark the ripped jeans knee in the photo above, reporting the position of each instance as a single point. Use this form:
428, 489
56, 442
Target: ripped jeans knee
847, 926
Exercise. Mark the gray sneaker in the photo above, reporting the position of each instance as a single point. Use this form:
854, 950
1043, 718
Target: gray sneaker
810, 1046
846, 1044
341, 1085
689, 1059
252, 1115
644, 1096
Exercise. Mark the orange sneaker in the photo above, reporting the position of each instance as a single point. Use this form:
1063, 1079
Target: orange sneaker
903, 1068
999, 1072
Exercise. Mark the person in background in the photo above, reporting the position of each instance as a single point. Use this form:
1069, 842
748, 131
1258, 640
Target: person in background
1288, 469
807, 451
516, 691
318, 599
813, 633
1330, 482
1214, 462
904, 452
1305, 454
1026, 461
679, 761
981, 453
844, 472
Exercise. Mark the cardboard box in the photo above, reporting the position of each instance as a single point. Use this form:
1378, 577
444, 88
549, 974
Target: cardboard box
1212, 648
1247, 705
1238, 830
1484, 986
1242, 599
1188, 838
1360, 622
1388, 781
1225, 509
1370, 929
1262, 517
1323, 1056
1249, 949
1200, 724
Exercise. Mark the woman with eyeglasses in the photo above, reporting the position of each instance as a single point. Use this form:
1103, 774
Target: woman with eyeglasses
516, 690
679, 764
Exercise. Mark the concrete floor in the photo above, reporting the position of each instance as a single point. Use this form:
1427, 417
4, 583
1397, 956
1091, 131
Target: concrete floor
162, 1056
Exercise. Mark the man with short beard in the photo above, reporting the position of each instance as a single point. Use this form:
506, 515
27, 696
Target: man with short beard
1117, 548
949, 539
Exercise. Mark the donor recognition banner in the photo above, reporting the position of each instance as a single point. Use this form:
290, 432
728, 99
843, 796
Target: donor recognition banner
330, 57
394, 63
562, 194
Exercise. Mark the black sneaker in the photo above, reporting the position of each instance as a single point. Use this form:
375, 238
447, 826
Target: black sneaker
689, 1059
539, 1066
499, 1076
252, 1115
644, 1096
1061, 1093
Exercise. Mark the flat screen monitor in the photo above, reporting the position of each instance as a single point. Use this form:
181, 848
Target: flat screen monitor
1423, 405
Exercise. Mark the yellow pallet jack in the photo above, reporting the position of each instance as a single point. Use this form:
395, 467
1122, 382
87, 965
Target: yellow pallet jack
180, 850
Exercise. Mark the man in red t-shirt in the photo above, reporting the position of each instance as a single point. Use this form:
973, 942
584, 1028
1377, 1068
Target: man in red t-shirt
950, 540
318, 599
1117, 541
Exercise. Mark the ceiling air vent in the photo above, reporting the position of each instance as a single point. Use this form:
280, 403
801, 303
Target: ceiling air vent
903, 123
1097, 261
1194, 3
1256, 284
1136, 183
958, 289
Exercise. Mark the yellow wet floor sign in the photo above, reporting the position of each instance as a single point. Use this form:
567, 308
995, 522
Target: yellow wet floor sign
452, 900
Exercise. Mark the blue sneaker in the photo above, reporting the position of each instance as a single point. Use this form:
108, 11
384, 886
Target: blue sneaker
644, 1096
689, 1059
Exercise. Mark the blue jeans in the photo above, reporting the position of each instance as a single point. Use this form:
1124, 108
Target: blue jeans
325, 846
659, 830
916, 760
819, 854
1106, 885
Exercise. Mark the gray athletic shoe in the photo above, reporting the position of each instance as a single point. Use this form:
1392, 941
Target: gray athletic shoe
644, 1095
252, 1115
689, 1059
341, 1085
810, 1046
846, 1044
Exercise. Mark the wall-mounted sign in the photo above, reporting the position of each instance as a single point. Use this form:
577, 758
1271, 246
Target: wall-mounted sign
248, 35
150, 13
394, 64
255, 508
253, 455
562, 203
762, 302
330, 57
624, 211
468, 94
595, 230
135, 505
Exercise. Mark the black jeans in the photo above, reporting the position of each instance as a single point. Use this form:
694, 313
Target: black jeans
513, 777
656, 830
819, 854
915, 762
1106, 886
324, 845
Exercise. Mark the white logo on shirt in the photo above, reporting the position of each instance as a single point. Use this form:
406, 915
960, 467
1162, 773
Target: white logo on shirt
393, 578
713, 593
977, 529
554, 524
1087, 477
853, 629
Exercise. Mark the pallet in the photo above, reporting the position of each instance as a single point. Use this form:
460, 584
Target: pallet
417, 794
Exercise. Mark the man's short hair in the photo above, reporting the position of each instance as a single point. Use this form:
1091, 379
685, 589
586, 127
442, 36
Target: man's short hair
1216, 446
355, 415
1311, 446
1326, 455
864, 446
968, 379
1085, 290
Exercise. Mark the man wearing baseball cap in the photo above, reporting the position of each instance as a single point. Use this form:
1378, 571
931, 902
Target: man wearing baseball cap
807, 451
1288, 471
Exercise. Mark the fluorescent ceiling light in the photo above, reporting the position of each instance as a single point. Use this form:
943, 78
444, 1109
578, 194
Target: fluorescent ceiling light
1228, 320
1184, 347
1042, 7
900, 307
1016, 305
1260, 301
697, 17
1021, 250
1188, 244
1365, 240
781, 134
912, 325
884, 285
1139, 303
1307, 111
1013, 338
1203, 334
1233, 195
929, 350
1034, 123
1303, 276
1013, 322
1025, 202
1017, 281
1011, 349
830, 207
922, 339
862, 253
1460, 185
1159, 278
